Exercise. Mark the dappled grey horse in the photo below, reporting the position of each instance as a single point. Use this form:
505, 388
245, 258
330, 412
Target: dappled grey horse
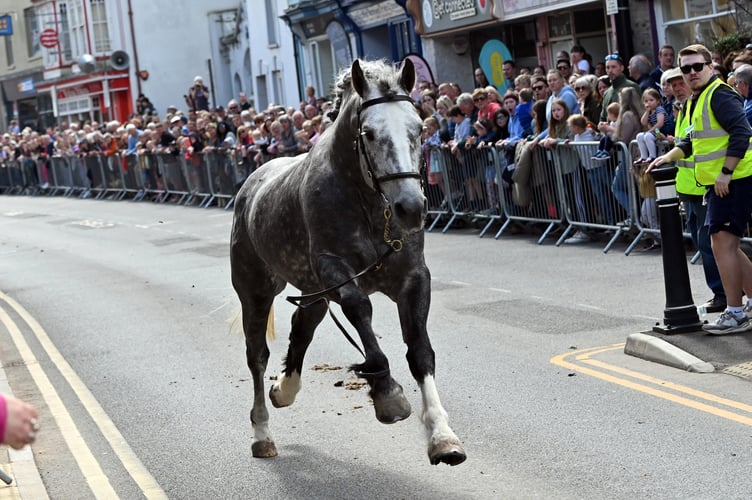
340, 223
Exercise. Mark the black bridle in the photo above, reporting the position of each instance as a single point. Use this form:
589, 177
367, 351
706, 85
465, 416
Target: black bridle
360, 145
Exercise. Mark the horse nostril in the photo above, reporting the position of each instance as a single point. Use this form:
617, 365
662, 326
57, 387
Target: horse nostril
410, 211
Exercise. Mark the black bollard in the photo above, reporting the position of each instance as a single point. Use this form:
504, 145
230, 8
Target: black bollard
680, 314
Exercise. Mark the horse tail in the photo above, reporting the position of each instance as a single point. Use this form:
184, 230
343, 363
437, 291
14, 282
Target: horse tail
236, 323
271, 333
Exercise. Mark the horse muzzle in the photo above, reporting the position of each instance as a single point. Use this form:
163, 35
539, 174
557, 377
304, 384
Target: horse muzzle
410, 212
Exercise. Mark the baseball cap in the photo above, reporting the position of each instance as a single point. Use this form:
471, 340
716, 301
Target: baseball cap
670, 74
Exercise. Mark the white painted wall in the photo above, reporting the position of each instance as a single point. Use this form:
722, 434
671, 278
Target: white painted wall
267, 59
174, 45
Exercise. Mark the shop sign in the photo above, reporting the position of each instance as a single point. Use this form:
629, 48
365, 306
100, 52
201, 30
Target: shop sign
376, 14
6, 26
26, 85
442, 15
491, 60
80, 90
48, 38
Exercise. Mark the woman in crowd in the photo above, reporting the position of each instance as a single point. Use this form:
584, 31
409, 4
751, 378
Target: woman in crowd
446, 126
626, 129
588, 99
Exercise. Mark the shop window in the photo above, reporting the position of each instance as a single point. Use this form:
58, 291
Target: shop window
559, 26
99, 26
9, 51
33, 29
523, 40
697, 21
589, 20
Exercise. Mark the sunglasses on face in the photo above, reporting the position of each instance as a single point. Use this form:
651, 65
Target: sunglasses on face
538, 87
699, 66
479, 99
579, 88
563, 66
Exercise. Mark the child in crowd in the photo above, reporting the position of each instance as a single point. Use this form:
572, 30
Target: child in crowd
431, 152
606, 143
487, 137
649, 207
524, 111
654, 118
597, 173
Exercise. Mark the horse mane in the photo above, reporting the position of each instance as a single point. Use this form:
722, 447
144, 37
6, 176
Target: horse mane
377, 72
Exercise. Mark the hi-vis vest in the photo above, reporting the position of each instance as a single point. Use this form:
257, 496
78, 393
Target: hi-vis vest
685, 176
710, 140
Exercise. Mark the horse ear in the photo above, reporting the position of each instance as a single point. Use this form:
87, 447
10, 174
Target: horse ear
358, 80
407, 76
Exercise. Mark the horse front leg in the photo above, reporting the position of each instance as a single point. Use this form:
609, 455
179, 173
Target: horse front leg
389, 401
413, 304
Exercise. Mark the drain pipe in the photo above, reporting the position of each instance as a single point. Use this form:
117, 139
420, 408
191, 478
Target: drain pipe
135, 50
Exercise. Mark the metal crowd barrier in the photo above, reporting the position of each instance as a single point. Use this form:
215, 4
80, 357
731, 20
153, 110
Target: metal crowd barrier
597, 194
212, 177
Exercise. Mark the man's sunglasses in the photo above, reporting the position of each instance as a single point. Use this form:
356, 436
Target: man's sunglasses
613, 57
699, 66
538, 87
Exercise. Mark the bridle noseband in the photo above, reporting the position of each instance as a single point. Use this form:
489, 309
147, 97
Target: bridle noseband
360, 145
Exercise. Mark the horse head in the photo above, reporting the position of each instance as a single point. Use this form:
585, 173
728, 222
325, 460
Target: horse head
388, 137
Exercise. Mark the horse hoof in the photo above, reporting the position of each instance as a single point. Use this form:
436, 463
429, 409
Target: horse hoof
264, 449
447, 452
392, 409
277, 399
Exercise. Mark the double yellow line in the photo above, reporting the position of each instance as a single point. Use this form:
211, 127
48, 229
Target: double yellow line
95, 477
583, 362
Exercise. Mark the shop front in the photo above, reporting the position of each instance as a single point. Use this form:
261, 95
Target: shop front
91, 98
26, 102
455, 32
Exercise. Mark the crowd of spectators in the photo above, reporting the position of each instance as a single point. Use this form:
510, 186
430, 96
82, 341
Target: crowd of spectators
252, 137
479, 117
613, 101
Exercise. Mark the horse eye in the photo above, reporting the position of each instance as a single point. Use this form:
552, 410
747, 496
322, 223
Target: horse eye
369, 134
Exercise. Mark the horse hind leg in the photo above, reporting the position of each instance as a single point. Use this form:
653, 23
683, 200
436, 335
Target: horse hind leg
255, 317
304, 323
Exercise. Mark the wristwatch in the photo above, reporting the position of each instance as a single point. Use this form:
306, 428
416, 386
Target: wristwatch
726, 171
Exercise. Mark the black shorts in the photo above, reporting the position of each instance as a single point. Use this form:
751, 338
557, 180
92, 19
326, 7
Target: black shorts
731, 212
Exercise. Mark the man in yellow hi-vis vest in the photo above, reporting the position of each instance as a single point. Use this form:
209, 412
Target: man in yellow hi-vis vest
691, 195
720, 139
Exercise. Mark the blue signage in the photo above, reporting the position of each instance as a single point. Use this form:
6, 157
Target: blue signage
491, 60
6, 26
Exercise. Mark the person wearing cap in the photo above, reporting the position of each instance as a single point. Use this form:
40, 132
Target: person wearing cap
691, 196
615, 72
198, 95
718, 138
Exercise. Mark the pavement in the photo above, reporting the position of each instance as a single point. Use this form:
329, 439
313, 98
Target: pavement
696, 351
20, 466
